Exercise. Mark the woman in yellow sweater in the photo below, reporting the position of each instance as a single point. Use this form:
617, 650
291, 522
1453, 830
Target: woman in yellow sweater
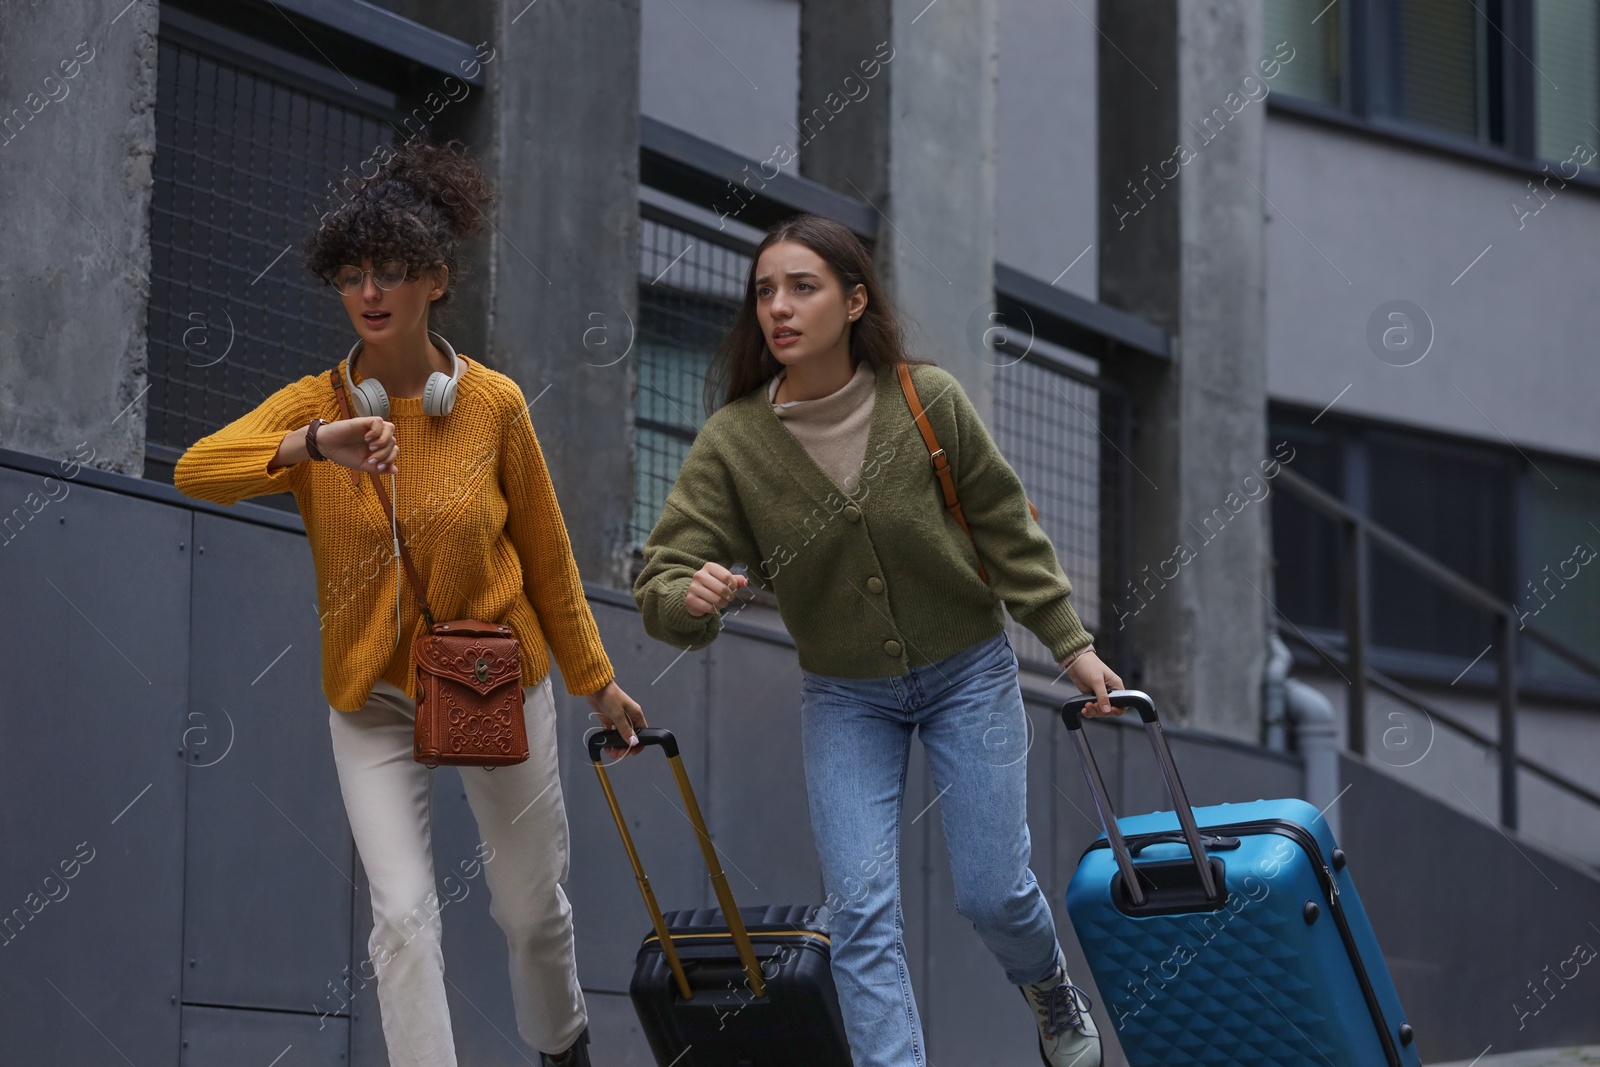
475, 505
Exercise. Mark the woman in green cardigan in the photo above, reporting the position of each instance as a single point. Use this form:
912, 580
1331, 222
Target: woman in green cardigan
814, 477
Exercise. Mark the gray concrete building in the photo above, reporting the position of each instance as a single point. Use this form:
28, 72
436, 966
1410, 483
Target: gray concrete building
1279, 308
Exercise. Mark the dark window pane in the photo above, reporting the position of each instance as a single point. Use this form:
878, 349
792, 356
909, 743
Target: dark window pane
1567, 53
1305, 542
1315, 30
1435, 69
1457, 508
1560, 591
242, 169
689, 292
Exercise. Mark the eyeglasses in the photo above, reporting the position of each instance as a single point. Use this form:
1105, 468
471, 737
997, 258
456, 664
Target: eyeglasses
388, 276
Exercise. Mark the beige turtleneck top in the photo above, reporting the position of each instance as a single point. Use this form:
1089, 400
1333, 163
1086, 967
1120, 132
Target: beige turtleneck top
832, 428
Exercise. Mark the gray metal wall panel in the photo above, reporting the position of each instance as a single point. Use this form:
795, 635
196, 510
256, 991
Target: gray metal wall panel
971, 1013
477, 981
618, 1038
267, 885
366, 1025
1214, 771
225, 1037
1468, 918
607, 912
755, 800
96, 645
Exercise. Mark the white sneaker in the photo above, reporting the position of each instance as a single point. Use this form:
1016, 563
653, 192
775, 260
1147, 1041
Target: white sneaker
1067, 1034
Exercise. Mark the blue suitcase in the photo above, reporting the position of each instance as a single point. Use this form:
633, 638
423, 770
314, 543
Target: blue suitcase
1230, 935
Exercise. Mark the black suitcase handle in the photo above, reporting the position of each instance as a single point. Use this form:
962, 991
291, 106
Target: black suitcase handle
596, 741
599, 740
1072, 715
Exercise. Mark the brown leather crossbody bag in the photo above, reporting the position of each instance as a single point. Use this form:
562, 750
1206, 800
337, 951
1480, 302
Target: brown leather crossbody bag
469, 674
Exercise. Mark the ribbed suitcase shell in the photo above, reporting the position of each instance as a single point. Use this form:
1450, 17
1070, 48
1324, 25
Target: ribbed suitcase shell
797, 1022
1253, 984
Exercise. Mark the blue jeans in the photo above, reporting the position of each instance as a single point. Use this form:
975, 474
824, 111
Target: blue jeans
856, 735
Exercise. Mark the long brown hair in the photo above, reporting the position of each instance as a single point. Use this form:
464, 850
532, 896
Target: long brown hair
743, 363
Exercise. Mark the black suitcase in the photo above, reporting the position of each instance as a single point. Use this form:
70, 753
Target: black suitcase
753, 990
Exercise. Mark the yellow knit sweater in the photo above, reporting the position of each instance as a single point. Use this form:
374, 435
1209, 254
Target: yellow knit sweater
476, 512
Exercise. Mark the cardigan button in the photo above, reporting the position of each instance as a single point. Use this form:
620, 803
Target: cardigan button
892, 647
852, 513
875, 584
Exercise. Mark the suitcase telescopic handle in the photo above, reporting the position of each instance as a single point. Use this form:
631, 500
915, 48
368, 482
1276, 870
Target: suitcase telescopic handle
1072, 715
596, 741
599, 740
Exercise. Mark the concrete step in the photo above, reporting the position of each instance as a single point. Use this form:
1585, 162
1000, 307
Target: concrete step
1549, 1057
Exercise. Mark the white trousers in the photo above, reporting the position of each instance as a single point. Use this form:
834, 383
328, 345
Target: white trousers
522, 821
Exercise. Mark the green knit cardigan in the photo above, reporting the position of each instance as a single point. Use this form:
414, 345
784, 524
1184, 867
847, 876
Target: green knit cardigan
869, 584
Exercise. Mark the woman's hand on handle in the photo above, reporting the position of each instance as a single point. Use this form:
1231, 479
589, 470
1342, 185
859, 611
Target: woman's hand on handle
712, 589
620, 712
1091, 675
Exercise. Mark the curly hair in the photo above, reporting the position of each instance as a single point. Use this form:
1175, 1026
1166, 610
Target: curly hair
420, 204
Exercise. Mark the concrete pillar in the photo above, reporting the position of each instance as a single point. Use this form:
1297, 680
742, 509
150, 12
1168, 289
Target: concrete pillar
1181, 243
471, 121
563, 266
897, 106
77, 134
550, 294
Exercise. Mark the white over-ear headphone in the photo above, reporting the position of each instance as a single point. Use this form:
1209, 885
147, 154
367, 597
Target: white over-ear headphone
438, 396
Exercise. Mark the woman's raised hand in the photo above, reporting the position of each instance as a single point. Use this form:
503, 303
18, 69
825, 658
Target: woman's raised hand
712, 589
363, 443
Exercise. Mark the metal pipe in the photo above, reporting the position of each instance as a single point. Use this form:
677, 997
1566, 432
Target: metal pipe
1316, 738
1506, 697
1276, 735
1354, 578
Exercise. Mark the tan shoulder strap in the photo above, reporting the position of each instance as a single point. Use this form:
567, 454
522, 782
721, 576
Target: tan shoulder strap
941, 465
383, 497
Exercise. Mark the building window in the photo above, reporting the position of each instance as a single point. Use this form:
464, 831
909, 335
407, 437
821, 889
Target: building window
1432, 67
1567, 82
1520, 77
1316, 31
689, 293
244, 164
1558, 586
1305, 546
1487, 514
1455, 505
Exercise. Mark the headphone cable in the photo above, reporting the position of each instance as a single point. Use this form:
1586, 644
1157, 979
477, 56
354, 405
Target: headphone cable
394, 529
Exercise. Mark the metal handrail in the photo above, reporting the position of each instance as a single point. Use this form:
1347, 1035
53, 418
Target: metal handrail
1408, 696
1358, 534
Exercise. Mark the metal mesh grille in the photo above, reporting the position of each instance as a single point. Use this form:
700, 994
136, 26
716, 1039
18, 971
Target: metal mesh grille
689, 291
1048, 425
242, 171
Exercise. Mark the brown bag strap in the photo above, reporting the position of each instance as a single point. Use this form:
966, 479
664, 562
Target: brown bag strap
383, 496
941, 465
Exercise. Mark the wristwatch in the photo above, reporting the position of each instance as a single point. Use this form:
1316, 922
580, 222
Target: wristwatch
311, 439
